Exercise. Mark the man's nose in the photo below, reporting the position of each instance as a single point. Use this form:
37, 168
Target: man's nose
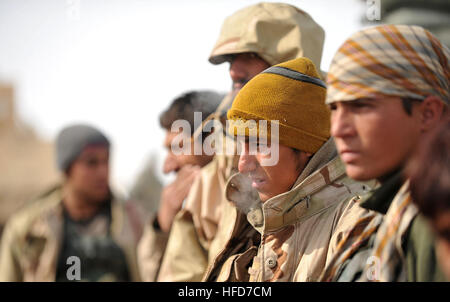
247, 162
341, 123
103, 169
170, 164
238, 71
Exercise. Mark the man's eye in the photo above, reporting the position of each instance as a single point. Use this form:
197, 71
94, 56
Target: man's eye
254, 148
175, 145
264, 148
360, 105
332, 107
92, 162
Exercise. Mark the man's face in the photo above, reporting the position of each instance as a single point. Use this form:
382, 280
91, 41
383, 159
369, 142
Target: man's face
373, 137
271, 181
173, 162
243, 67
89, 173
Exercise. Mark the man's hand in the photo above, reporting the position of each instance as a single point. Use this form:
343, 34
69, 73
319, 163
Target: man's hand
174, 194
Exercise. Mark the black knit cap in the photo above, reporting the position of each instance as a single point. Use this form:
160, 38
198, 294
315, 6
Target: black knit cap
73, 139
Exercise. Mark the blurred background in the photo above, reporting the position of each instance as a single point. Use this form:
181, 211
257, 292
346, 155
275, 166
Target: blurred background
117, 64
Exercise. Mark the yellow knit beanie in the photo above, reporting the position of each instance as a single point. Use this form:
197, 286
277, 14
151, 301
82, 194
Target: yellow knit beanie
290, 93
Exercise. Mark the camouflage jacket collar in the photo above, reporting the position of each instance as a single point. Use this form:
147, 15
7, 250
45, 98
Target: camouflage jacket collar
289, 207
296, 204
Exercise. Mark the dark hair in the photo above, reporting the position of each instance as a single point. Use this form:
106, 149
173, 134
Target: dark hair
185, 105
297, 152
429, 172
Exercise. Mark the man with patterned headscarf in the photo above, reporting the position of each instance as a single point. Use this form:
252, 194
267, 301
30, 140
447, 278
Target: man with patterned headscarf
388, 87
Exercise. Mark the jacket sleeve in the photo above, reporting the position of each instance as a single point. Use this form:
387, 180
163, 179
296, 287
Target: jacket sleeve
188, 250
150, 250
9, 266
421, 261
185, 258
348, 214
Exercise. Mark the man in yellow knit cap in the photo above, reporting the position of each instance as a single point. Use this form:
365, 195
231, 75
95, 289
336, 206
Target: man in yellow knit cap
304, 200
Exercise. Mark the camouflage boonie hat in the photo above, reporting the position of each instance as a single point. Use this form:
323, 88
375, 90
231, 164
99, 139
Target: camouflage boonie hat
277, 32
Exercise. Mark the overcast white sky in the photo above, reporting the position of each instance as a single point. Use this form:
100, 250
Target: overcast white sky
117, 64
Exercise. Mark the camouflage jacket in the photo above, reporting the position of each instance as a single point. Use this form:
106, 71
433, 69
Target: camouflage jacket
389, 243
32, 238
297, 230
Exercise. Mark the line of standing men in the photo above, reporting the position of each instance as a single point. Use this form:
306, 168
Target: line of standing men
336, 206
313, 219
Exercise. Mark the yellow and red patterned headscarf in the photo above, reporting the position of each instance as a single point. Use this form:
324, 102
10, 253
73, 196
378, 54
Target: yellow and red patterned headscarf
394, 60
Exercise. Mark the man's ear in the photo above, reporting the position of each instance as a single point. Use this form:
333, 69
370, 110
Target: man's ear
431, 111
68, 170
303, 159
66, 174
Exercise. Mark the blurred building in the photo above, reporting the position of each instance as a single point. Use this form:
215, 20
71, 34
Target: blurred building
147, 188
26, 161
433, 15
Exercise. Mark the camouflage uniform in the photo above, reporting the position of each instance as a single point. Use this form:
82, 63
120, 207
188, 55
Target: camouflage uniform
32, 239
